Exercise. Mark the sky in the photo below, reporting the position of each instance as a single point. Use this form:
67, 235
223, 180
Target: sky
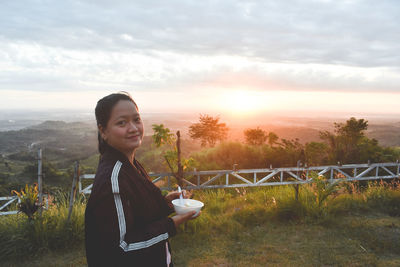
206, 56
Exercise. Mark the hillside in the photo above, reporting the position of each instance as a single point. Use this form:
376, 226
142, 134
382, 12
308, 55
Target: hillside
65, 142
62, 141
68, 141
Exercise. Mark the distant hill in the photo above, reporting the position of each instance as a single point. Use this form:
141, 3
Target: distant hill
386, 134
80, 138
62, 141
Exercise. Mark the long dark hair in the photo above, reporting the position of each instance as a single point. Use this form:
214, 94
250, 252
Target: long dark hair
103, 112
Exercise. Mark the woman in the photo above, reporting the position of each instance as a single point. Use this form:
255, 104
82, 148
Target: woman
126, 218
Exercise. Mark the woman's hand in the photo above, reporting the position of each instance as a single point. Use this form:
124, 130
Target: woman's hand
179, 219
175, 194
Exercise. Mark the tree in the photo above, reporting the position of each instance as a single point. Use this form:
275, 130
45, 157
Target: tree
255, 136
209, 130
353, 129
177, 164
347, 143
350, 136
272, 138
51, 174
293, 151
316, 153
335, 153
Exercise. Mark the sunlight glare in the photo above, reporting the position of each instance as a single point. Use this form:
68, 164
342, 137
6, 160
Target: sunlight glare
243, 101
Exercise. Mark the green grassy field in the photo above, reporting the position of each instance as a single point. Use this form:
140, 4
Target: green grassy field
246, 227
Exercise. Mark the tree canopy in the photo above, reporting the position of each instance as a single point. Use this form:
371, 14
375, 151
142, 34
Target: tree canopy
272, 138
162, 135
348, 144
255, 136
209, 130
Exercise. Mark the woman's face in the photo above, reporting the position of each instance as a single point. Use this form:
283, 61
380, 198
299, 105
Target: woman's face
124, 130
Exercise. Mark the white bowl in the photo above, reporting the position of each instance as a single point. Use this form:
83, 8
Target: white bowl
186, 205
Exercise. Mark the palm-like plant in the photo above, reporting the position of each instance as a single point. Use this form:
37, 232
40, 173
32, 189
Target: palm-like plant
323, 189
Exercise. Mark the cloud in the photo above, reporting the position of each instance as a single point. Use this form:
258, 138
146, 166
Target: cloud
178, 45
361, 33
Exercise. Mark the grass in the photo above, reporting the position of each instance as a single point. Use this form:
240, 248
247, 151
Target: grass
49, 232
266, 226
291, 244
246, 227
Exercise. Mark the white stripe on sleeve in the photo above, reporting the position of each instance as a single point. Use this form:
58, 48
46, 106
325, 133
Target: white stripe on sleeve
121, 217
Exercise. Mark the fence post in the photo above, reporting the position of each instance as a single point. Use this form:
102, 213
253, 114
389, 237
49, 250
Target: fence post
198, 176
73, 190
40, 180
296, 186
179, 175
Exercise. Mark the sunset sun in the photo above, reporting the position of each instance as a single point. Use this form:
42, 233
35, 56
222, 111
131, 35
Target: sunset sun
243, 101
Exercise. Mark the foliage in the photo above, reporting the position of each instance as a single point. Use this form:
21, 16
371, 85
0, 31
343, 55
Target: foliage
23, 156
48, 232
255, 136
238, 221
353, 130
293, 150
63, 143
316, 153
162, 135
28, 200
152, 157
209, 130
384, 196
226, 154
173, 158
322, 188
348, 144
59, 140
272, 138
51, 174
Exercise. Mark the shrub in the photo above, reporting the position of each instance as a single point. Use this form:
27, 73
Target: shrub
49, 231
28, 200
383, 197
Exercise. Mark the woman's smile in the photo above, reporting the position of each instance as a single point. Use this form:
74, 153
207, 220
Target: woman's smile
124, 130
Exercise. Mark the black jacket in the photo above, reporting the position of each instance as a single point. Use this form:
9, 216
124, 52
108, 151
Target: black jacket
126, 218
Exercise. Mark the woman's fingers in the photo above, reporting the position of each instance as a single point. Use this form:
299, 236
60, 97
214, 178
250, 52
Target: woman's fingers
186, 194
181, 218
175, 194
189, 215
172, 195
197, 215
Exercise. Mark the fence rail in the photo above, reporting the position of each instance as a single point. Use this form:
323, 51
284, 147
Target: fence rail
251, 178
270, 176
9, 200
13, 199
